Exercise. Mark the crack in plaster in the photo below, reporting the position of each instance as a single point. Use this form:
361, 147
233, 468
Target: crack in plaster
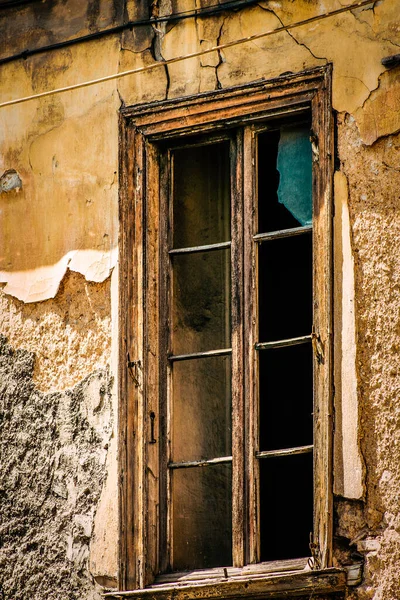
221, 59
391, 42
363, 83
291, 34
371, 38
390, 166
121, 99
362, 107
362, 22
160, 31
357, 15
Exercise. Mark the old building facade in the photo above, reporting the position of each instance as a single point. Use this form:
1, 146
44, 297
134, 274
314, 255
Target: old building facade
117, 119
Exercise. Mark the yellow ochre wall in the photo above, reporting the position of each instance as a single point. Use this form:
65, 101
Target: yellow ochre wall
59, 248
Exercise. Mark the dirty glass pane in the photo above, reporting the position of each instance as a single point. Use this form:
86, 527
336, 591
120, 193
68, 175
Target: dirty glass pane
201, 411
285, 288
284, 179
202, 517
200, 301
286, 397
201, 195
286, 506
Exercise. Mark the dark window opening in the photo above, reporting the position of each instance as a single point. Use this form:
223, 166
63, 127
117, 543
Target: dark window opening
200, 388
286, 506
285, 376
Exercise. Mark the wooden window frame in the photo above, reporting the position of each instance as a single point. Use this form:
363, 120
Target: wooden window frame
142, 129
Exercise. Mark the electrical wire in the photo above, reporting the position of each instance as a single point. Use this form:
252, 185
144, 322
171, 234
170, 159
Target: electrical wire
12, 3
165, 63
180, 16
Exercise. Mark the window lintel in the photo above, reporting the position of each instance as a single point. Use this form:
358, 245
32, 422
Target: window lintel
257, 100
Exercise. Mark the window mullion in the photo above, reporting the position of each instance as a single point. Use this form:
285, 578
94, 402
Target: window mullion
250, 362
238, 476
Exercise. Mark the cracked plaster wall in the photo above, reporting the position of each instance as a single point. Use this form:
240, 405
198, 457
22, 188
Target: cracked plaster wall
59, 232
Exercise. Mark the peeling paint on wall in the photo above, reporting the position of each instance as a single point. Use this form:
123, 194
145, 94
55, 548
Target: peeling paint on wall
348, 472
380, 113
66, 215
70, 335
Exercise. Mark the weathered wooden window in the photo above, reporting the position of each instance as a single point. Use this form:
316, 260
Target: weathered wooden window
226, 368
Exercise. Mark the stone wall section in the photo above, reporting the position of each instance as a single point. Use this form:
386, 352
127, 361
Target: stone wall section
53, 455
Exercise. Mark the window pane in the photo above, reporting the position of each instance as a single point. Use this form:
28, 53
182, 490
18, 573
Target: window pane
286, 397
284, 179
202, 517
294, 165
286, 506
201, 410
285, 288
201, 301
201, 195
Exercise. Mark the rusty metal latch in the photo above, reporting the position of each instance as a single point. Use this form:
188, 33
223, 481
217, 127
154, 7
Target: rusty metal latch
133, 367
152, 419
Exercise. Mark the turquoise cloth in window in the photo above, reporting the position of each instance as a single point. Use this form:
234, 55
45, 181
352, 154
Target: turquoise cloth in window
294, 166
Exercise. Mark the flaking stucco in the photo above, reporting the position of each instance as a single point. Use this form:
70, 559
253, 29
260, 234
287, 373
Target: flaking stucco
59, 246
54, 450
68, 200
70, 335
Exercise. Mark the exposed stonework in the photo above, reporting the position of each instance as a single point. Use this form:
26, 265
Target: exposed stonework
70, 335
54, 449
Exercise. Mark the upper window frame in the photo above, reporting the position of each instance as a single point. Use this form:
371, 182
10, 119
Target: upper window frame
142, 129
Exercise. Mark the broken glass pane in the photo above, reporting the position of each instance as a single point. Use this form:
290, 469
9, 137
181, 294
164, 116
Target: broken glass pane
286, 506
286, 397
295, 173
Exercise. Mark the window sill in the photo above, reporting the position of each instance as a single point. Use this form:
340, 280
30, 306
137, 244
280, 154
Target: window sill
259, 581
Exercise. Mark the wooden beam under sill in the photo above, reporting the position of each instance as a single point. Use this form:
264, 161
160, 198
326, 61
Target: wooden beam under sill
282, 585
